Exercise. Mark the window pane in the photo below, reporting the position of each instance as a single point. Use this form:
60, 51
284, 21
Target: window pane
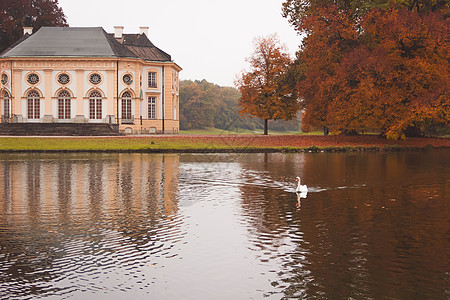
152, 107
99, 108
64, 105
67, 111
126, 106
6, 105
152, 79
30, 109
33, 105
60, 109
91, 109
95, 105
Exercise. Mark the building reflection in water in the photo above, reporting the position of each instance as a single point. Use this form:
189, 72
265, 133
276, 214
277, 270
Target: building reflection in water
67, 186
58, 212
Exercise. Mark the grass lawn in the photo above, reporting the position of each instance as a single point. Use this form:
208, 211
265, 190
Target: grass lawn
216, 131
212, 143
95, 143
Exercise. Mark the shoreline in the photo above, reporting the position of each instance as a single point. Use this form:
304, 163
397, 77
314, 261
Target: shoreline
216, 144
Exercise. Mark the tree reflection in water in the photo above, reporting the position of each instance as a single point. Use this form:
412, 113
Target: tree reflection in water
365, 234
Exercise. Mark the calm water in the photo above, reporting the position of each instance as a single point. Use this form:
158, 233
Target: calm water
140, 226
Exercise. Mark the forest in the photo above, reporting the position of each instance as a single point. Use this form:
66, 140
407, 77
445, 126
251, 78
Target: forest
204, 104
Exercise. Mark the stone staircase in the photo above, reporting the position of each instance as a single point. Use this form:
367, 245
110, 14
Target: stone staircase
58, 129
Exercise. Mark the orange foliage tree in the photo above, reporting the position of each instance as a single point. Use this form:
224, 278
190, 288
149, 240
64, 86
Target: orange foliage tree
331, 33
263, 92
386, 70
397, 80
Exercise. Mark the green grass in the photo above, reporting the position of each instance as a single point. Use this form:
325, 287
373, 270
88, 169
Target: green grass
96, 144
164, 144
135, 143
309, 133
216, 131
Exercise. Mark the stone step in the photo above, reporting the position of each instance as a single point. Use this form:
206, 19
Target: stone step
58, 129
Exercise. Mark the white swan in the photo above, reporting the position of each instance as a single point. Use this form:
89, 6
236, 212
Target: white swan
300, 188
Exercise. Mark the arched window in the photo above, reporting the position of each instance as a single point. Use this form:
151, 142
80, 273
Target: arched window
95, 105
34, 105
6, 105
126, 106
64, 105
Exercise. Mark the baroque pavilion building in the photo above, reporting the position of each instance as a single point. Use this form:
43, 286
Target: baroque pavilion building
84, 75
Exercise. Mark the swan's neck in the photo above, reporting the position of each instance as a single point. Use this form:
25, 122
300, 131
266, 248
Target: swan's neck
298, 186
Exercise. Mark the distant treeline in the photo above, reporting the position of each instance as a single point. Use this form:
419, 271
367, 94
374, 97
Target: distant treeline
204, 104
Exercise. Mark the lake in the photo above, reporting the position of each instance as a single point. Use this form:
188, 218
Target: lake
225, 226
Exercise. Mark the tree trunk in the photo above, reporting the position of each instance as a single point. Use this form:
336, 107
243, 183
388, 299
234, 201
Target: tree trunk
266, 126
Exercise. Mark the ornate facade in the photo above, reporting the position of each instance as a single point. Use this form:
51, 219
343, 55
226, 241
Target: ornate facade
85, 75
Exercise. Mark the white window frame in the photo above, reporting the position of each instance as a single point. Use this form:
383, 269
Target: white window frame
64, 105
151, 108
95, 106
127, 112
6, 105
152, 81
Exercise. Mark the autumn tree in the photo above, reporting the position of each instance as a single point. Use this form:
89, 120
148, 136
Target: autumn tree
413, 89
296, 11
384, 69
16, 14
332, 33
262, 93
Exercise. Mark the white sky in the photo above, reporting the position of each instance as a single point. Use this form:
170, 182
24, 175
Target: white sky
209, 39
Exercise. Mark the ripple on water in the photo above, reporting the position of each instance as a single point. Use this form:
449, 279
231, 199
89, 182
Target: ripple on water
100, 259
212, 226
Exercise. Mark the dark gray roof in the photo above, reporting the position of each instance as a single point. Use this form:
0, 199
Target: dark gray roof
64, 41
142, 47
137, 40
24, 37
84, 42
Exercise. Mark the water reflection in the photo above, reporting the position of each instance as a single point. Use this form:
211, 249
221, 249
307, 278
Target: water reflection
65, 219
110, 182
366, 230
300, 196
372, 225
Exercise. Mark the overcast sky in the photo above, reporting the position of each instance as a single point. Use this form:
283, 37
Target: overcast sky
209, 39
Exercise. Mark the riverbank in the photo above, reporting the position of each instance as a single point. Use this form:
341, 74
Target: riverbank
214, 144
